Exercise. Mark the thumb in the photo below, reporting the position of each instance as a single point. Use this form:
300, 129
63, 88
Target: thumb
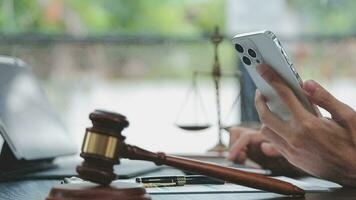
321, 97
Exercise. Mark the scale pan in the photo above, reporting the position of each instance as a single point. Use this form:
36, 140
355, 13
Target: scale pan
195, 127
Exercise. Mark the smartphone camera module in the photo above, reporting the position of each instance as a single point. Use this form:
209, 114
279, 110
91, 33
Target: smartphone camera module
252, 53
246, 60
239, 48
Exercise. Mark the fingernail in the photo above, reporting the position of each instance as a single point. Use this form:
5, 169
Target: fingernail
310, 86
261, 69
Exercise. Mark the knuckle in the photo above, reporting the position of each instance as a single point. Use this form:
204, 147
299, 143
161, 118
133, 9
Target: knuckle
319, 94
346, 116
302, 132
351, 117
307, 126
323, 99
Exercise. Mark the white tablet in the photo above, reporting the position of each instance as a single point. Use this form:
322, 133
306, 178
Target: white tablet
28, 124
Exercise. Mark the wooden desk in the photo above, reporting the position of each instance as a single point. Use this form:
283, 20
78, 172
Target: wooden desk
38, 190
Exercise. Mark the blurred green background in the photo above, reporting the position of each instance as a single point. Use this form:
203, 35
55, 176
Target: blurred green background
171, 17
128, 36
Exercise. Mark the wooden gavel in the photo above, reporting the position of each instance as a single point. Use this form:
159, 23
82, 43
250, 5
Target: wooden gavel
104, 145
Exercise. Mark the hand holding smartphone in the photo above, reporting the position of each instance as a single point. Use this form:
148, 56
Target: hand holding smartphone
263, 47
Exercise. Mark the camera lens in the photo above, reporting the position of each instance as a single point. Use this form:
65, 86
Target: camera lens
239, 48
252, 53
246, 60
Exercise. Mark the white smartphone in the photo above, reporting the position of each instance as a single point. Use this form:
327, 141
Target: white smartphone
263, 47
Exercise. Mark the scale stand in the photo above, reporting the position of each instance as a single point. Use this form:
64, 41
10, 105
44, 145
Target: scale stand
216, 74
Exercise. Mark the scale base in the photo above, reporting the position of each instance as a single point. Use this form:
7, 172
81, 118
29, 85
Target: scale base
219, 147
91, 191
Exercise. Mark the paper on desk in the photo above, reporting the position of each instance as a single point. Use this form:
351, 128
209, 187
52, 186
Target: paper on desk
309, 185
199, 189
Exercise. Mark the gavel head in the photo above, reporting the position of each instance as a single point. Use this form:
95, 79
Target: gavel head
101, 146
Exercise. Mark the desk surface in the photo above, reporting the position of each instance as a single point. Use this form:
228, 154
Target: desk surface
38, 189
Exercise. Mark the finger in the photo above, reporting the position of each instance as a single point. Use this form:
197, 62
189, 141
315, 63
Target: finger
238, 147
242, 157
269, 150
282, 89
236, 132
266, 116
276, 140
315, 107
317, 94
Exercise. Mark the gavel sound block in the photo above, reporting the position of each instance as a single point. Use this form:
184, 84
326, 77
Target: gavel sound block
104, 145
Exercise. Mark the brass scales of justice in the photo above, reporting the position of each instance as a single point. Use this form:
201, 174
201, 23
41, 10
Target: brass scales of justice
216, 73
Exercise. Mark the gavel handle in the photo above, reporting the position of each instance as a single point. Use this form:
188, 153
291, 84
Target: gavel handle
228, 174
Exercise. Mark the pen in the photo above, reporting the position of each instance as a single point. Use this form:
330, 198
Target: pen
161, 181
